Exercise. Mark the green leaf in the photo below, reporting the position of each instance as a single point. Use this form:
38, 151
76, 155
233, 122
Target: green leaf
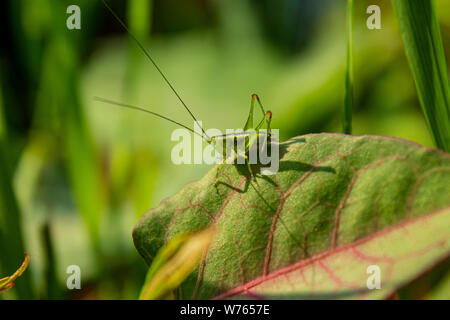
343, 273
332, 192
423, 45
174, 262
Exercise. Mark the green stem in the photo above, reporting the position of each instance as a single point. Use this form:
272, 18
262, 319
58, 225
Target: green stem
139, 16
348, 103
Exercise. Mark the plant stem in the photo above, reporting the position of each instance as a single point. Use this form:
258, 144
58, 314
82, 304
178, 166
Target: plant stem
348, 102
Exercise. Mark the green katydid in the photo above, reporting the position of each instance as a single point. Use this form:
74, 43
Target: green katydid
250, 135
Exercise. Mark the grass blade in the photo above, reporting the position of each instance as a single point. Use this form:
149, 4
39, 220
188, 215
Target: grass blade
11, 237
139, 14
59, 111
139, 17
419, 27
348, 102
12, 245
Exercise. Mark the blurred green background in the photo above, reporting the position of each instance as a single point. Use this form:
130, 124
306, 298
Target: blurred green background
76, 174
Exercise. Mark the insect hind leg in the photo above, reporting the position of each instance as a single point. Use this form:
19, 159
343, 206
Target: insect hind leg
249, 123
256, 97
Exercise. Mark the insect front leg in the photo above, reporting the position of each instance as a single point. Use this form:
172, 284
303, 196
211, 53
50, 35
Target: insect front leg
220, 143
218, 169
249, 167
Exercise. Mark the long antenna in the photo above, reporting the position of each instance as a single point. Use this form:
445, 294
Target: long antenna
119, 104
154, 64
